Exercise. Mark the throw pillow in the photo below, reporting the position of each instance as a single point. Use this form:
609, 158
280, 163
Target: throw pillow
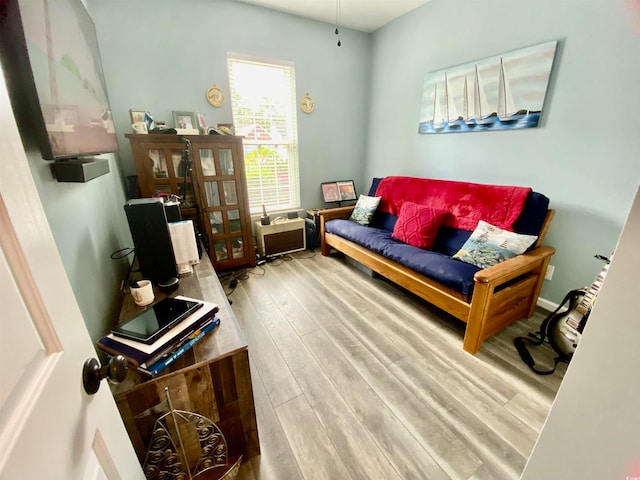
489, 245
418, 225
364, 209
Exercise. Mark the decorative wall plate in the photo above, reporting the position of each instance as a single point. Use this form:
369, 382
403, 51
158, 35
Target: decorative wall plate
215, 96
306, 104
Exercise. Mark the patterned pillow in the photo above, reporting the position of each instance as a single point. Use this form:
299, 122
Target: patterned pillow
418, 225
489, 245
364, 209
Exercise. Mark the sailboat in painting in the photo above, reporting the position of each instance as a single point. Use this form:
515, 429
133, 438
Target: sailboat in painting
467, 105
481, 110
451, 113
456, 99
437, 121
506, 106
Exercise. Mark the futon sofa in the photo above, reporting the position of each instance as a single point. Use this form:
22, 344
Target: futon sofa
446, 269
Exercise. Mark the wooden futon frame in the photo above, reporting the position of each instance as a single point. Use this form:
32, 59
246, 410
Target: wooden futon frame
502, 294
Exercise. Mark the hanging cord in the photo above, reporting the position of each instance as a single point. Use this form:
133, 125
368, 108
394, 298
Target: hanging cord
123, 252
337, 32
120, 254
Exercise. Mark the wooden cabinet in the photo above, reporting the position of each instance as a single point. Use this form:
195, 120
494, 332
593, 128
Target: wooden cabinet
212, 379
207, 172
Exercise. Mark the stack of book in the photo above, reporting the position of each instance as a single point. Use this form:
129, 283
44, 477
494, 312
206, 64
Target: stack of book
153, 358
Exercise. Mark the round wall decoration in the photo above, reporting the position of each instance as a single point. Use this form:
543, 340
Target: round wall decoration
215, 96
306, 104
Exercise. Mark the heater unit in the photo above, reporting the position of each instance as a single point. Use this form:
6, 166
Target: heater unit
280, 236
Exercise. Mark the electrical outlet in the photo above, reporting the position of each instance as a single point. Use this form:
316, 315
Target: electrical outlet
549, 274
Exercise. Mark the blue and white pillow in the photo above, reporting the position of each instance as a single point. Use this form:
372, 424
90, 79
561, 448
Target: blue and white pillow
364, 209
489, 245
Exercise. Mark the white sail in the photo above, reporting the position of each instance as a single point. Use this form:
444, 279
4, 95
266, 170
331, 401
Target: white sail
465, 97
451, 114
506, 105
481, 108
438, 118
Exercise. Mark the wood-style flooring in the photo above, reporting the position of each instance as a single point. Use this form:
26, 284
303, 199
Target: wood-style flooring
355, 378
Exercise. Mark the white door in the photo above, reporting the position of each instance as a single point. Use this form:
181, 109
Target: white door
49, 427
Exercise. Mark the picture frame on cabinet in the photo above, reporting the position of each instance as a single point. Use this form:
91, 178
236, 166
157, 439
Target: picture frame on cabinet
136, 115
202, 123
184, 120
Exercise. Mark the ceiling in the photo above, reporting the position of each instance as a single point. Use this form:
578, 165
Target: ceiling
361, 15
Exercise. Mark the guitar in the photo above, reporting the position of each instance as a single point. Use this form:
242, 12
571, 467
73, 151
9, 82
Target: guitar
565, 329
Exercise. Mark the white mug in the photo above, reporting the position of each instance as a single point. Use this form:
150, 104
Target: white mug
143, 293
139, 127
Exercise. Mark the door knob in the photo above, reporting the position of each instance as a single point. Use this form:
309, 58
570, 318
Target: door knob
93, 372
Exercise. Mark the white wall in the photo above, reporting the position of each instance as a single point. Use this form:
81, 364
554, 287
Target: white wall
593, 429
585, 157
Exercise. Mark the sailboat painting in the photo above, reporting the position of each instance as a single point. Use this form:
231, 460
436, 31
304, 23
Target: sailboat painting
502, 92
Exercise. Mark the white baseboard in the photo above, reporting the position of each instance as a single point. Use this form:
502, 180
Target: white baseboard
546, 304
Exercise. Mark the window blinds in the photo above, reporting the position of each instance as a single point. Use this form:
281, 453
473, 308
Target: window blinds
264, 113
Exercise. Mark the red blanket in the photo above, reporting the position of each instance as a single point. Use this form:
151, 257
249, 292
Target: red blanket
467, 202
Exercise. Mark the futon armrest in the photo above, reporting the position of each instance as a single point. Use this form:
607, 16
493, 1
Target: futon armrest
333, 213
514, 267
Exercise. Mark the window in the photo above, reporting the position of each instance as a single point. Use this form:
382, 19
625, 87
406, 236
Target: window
263, 105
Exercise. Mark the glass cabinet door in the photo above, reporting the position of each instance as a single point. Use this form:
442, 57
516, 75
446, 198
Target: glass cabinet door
158, 163
230, 194
207, 161
237, 247
226, 161
213, 196
234, 221
220, 248
179, 165
216, 222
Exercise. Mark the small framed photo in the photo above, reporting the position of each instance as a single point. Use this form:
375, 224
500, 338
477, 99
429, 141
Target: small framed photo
347, 190
136, 115
202, 123
341, 191
184, 120
330, 192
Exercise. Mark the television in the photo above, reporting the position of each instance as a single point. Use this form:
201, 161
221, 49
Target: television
52, 66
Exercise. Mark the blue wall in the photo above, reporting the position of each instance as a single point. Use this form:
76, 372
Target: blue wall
585, 157
161, 55
88, 224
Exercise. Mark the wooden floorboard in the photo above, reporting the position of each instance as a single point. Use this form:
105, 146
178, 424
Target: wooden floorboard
355, 378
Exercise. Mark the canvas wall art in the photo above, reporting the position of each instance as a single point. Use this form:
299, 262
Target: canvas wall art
502, 92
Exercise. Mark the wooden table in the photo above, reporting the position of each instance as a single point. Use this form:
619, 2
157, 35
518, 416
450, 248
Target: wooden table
212, 379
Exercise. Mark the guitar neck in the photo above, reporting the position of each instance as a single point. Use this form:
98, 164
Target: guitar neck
590, 296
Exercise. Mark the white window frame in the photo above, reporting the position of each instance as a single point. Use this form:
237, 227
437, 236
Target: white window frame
284, 142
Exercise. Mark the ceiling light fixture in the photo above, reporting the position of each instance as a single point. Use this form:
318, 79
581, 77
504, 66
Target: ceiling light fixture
337, 32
